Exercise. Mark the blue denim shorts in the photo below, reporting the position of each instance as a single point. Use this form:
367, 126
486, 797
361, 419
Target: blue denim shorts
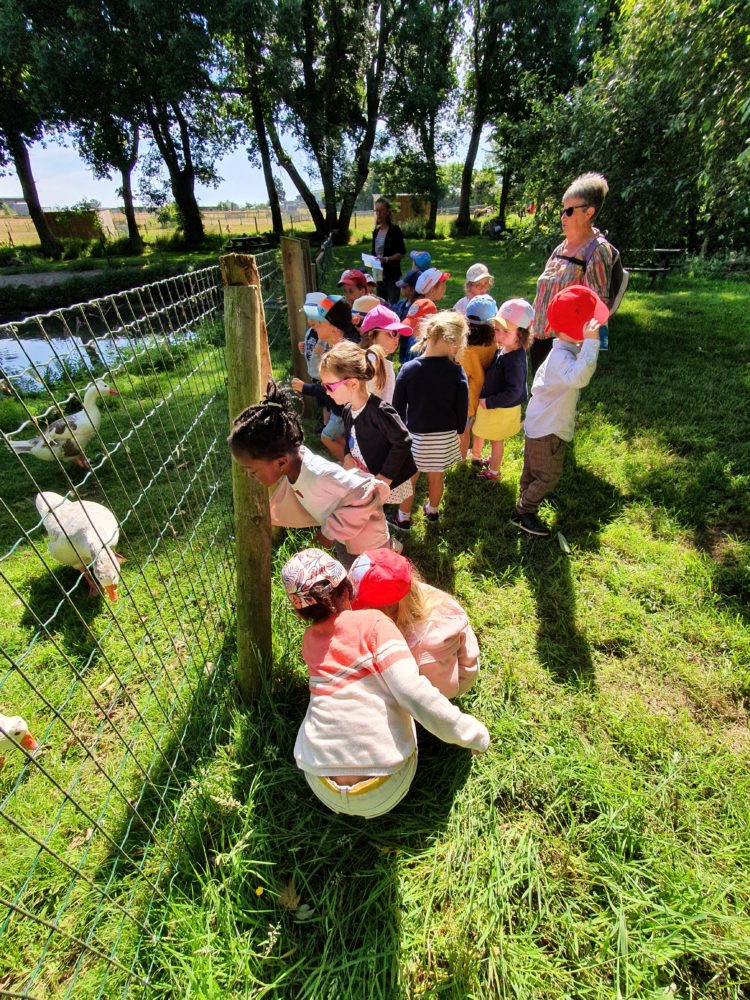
334, 428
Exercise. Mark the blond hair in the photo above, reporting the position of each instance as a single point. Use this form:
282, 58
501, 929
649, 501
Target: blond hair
468, 285
448, 325
347, 360
418, 605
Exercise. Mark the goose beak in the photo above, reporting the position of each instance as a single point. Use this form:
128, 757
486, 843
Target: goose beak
28, 742
111, 592
113, 392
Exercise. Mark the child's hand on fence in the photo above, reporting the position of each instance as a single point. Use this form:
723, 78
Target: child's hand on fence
301, 346
591, 330
319, 350
297, 384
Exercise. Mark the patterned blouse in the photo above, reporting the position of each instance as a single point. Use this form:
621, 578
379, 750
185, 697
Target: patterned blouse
559, 272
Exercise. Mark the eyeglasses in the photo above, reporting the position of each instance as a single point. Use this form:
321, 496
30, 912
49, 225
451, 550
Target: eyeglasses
331, 386
569, 211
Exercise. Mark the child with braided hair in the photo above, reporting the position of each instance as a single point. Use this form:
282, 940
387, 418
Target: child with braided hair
346, 504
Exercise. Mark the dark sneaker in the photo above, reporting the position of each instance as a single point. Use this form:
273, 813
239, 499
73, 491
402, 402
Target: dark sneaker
480, 463
392, 518
531, 524
431, 515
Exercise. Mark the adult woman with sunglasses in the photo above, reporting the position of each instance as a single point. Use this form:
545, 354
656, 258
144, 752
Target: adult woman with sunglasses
571, 263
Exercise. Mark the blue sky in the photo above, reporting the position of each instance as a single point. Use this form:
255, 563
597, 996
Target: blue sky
62, 178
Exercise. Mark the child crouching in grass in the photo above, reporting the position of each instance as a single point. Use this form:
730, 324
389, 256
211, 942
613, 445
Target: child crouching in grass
435, 626
357, 743
266, 439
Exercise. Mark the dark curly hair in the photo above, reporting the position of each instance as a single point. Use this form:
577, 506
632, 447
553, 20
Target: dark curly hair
327, 601
480, 335
269, 429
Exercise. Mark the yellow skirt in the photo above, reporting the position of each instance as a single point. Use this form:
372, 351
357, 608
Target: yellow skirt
498, 424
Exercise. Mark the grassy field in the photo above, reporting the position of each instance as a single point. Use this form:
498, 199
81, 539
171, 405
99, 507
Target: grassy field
600, 848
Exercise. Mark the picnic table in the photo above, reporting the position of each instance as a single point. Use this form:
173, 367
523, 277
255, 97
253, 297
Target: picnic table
248, 244
656, 263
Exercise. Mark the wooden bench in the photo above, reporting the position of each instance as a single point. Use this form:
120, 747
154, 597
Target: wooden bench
657, 263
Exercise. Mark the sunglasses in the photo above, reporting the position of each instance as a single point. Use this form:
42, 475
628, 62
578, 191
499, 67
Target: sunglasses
331, 386
391, 333
569, 211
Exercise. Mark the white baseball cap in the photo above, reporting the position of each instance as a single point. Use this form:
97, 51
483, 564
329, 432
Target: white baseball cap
476, 272
429, 279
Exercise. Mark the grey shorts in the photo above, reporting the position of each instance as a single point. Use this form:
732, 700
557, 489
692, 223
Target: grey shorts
334, 428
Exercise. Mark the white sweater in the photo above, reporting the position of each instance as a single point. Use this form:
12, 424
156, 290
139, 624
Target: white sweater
365, 692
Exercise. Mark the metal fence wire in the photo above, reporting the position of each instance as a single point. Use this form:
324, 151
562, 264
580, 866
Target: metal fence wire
113, 418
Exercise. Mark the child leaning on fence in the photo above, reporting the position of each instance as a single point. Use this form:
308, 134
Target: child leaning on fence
346, 504
357, 743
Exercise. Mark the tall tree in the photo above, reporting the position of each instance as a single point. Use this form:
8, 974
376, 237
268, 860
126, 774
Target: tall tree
27, 106
509, 42
420, 103
327, 68
108, 144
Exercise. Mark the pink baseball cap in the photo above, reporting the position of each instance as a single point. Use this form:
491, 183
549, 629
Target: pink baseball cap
572, 308
379, 578
519, 312
383, 318
418, 310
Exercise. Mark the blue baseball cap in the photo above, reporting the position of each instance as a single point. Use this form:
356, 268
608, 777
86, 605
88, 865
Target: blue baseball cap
481, 309
421, 258
320, 310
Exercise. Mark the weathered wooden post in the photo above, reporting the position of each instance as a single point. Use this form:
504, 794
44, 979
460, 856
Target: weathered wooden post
294, 288
310, 285
248, 368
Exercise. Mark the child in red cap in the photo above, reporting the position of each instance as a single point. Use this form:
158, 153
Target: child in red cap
357, 743
435, 626
573, 316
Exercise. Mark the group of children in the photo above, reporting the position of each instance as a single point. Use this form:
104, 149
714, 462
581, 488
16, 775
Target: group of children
382, 647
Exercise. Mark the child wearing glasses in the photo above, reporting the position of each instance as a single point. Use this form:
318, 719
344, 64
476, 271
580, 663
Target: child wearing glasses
346, 504
381, 327
376, 439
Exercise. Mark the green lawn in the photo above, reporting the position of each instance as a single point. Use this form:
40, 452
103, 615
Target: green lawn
601, 848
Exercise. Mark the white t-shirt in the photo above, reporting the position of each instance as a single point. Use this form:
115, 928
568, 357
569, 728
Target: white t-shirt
386, 393
321, 484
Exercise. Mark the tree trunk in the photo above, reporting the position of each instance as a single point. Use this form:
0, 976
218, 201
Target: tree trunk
467, 175
504, 191
51, 246
265, 153
305, 193
127, 200
183, 189
181, 177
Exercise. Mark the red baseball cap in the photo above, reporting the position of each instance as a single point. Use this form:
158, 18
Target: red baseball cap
418, 310
379, 578
572, 308
353, 277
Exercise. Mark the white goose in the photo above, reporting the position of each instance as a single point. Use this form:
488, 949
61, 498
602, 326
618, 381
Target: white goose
67, 438
83, 534
13, 731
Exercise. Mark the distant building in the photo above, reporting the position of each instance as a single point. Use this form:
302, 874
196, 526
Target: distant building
16, 206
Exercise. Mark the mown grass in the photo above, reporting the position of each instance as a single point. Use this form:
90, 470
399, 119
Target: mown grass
600, 848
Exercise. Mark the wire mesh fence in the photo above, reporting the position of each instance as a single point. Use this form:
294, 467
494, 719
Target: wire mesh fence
117, 593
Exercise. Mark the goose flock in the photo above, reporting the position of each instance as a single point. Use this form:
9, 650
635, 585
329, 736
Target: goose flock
81, 534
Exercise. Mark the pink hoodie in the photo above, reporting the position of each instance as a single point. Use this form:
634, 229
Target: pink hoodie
445, 647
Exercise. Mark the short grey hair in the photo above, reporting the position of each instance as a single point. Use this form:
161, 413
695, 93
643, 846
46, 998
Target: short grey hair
591, 188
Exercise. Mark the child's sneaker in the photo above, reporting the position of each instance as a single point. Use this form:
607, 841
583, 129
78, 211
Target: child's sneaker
487, 475
396, 546
480, 463
392, 517
430, 514
531, 524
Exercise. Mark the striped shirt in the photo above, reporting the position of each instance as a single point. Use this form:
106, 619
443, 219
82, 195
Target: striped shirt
365, 692
559, 273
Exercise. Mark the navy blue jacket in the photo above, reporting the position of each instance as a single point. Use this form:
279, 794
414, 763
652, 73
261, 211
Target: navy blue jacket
432, 396
505, 380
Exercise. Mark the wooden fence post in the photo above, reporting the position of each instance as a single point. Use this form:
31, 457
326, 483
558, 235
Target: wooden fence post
248, 370
310, 285
294, 287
